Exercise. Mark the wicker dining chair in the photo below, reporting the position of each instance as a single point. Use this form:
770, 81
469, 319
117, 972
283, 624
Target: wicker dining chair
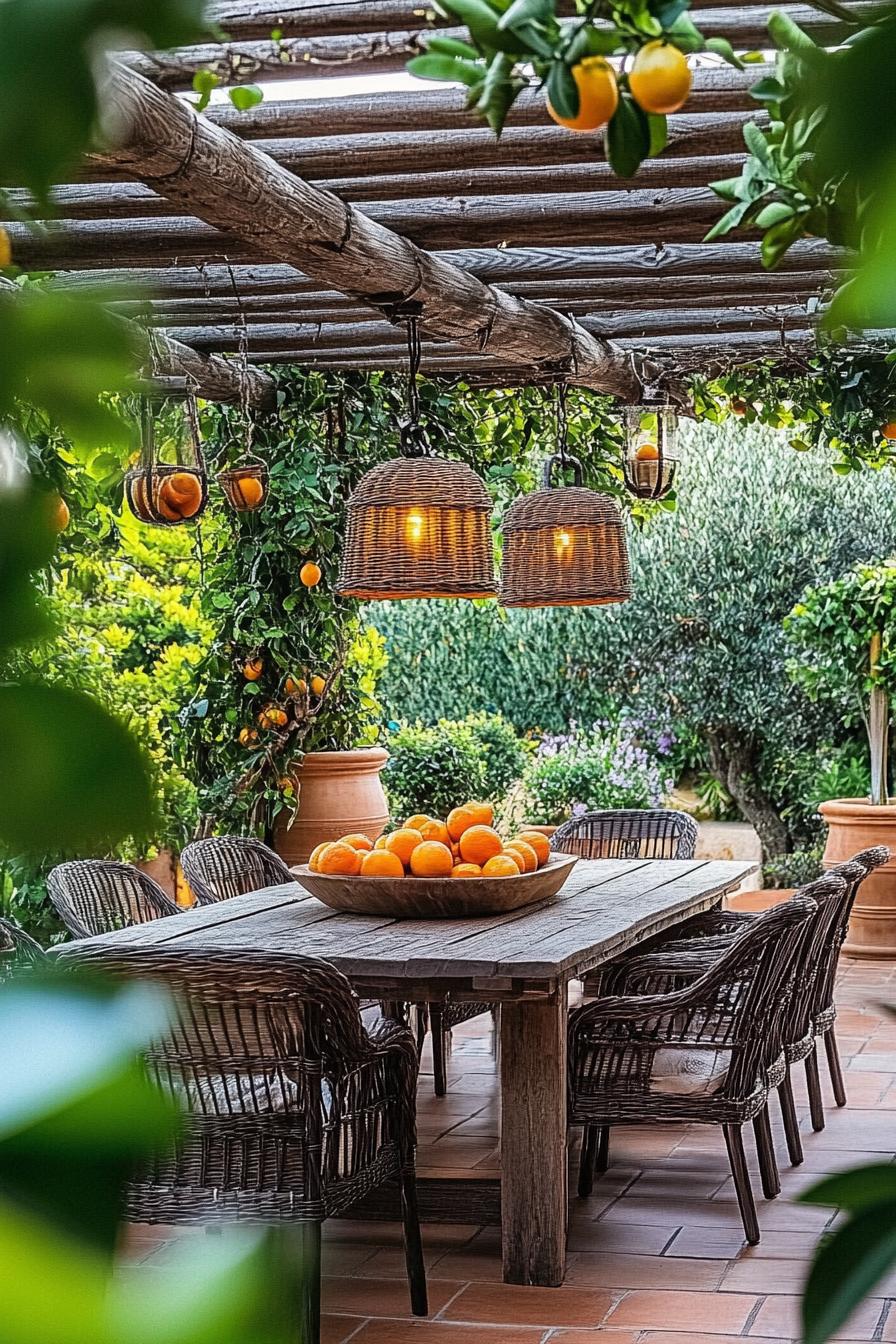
18, 951
699, 1053
813, 1010
628, 833
296, 1111
231, 865
99, 895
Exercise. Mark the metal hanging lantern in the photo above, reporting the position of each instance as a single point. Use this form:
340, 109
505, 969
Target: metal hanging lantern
564, 545
419, 526
163, 493
651, 432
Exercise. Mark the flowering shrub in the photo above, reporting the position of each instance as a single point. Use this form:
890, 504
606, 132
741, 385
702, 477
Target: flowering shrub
625, 763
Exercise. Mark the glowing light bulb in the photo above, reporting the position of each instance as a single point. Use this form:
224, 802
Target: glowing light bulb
414, 528
563, 543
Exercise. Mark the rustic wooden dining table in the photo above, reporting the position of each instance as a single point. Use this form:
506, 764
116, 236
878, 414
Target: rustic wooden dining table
523, 960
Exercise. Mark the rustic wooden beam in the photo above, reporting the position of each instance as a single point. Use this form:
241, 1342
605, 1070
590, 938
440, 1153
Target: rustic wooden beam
553, 220
164, 354
227, 182
513, 267
363, 53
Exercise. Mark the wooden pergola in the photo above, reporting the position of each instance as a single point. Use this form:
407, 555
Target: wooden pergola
307, 230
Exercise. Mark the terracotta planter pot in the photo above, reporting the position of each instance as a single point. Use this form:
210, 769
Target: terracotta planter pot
166, 870
338, 792
853, 825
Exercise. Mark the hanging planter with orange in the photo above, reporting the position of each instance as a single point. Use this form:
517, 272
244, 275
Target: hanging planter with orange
161, 493
651, 431
246, 487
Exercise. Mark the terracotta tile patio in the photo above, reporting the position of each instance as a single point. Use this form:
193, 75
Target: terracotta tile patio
656, 1256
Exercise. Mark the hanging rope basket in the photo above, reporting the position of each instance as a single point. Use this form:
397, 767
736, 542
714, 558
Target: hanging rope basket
419, 526
651, 431
245, 488
161, 493
564, 546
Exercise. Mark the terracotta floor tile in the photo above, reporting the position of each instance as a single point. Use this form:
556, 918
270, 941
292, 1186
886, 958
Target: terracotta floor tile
383, 1297
687, 1337
709, 1243
709, 1313
504, 1303
780, 1316
629, 1238
765, 1276
437, 1332
645, 1271
337, 1329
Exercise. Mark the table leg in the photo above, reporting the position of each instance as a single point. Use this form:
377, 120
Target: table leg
533, 1140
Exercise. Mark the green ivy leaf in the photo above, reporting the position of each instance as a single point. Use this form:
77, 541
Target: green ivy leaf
628, 137
245, 96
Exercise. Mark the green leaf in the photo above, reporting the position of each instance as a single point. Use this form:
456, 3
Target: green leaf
756, 143
81, 781
778, 239
855, 1190
482, 22
244, 96
562, 90
846, 1268
773, 213
451, 46
730, 220
768, 90
204, 81
523, 12
499, 90
722, 47
590, 41
659, 133
454, 69
628, 137
790, 37
730, 188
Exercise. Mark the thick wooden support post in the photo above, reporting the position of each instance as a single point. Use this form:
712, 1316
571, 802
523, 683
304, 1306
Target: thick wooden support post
235, 187
533, 1120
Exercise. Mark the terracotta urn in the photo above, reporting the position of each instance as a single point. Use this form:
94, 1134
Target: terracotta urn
338, 792
166, 870
854, 824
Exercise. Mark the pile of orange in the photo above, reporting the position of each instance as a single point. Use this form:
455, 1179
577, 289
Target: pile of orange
466, 844
180, 496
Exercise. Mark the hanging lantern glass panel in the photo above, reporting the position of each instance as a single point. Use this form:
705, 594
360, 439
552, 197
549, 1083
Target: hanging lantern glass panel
651, 433
167, 493
564, 546
246, 488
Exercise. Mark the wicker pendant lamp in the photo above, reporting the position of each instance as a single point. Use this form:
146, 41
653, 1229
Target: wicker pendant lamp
564, 546
651, 431
168, 494
419, 526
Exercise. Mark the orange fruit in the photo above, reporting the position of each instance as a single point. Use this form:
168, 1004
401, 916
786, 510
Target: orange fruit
310, 574
523, 848
460, 820
380, 863
339, 858
248, 737
648, 452
483, 813
889, 429
60, 516
292, 686
253, 669
403, 842
466, 870
516, 859
5, 250
598, 95
318, 685
180, 495
435, 830
479, 844
381, 843
417, 821
316, 853
501, 865
660, 79
357, 841
272, 716
431, 859
250, 490
540, 843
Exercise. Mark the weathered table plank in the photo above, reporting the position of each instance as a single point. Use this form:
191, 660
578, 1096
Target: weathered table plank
525, 958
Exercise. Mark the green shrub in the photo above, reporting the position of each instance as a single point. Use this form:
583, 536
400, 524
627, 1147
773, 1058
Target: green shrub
793, 869
432, 770
503, 754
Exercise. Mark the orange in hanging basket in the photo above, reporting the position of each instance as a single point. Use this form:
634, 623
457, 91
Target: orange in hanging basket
246, 487
166, 495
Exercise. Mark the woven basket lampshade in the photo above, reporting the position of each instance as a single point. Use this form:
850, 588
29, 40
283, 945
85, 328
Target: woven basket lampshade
564, 547
167, 494
419, 527
651, 431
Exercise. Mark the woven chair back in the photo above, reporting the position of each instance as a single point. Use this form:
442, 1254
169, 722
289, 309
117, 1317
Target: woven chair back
649, 833
18, 951
99, 895
228, 865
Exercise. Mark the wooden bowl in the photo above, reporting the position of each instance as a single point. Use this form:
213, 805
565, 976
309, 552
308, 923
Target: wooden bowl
437, 897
